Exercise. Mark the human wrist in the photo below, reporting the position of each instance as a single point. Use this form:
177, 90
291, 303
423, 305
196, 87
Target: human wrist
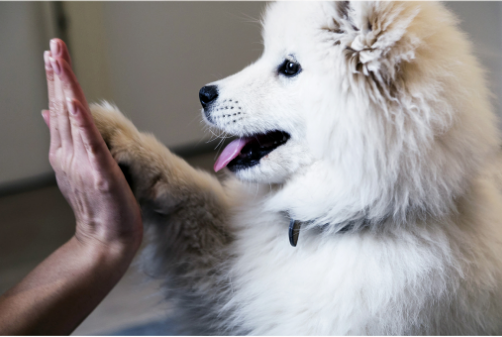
106, 252
110, 238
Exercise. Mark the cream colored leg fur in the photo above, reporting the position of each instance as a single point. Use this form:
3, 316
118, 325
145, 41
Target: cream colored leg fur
184, 210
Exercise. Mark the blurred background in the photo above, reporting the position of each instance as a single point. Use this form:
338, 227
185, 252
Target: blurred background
151, 59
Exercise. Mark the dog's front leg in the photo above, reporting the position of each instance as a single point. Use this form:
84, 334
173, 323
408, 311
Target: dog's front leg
184, 210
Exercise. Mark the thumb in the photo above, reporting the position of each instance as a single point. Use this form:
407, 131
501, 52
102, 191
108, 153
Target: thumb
46, 116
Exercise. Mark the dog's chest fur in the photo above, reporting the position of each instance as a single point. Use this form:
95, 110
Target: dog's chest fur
348, 283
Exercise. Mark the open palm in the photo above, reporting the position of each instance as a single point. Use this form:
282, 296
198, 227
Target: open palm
87, 175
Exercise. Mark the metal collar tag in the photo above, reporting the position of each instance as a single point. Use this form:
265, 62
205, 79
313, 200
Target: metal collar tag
294, 231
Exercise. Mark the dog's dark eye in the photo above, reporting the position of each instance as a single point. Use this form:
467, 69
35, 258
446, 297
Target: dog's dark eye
289, 68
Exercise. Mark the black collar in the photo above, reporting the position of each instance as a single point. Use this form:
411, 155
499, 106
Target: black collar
295, 226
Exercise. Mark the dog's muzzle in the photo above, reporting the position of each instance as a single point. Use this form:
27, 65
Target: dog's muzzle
208, 95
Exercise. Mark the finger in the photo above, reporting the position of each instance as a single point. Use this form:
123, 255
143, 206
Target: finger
60, 105
79, 149
73, 91
59, 49
97, 151
54, 129
46, 117
71, 87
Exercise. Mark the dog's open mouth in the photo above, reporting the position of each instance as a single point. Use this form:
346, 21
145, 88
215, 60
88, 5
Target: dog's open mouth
246, 152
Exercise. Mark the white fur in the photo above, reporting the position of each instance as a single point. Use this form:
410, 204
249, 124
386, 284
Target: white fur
391, 129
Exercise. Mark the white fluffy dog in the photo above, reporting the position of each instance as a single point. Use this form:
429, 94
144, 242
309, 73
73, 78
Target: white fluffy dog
367, 126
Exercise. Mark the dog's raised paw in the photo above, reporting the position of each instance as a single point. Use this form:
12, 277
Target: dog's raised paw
112, 124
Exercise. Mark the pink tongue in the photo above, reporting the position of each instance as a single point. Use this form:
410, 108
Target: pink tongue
231, 151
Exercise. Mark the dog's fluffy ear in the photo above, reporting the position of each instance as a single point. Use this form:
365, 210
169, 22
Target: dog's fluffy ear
376, 37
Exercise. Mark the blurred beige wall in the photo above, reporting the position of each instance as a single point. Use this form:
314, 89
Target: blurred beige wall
24, 139
482, 21
151, 58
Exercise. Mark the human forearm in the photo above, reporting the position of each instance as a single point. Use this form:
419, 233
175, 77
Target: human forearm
64, 289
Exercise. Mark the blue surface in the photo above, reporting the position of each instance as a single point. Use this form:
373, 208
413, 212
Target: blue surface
158, 328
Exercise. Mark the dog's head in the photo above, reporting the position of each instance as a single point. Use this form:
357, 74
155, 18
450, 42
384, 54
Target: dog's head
383, 98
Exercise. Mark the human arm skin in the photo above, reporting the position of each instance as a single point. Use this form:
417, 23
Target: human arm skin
64, 289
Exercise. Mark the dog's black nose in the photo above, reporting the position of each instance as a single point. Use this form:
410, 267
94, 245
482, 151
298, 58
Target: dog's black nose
208, 94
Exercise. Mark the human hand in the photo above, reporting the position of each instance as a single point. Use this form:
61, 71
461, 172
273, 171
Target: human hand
55, 297
106, 212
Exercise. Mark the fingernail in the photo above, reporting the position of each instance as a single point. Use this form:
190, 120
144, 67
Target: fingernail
54, 47
71, 106
55, 65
